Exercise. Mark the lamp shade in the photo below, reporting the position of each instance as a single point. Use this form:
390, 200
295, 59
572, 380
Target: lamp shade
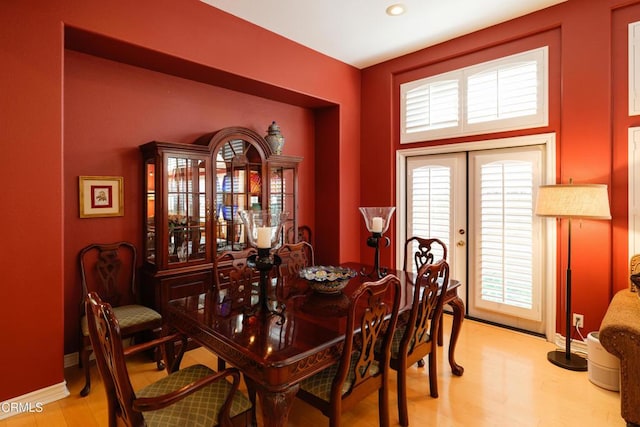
263, 227
377, 219
589, 201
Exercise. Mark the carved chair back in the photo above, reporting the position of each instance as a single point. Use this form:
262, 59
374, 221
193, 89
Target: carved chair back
364, 362
303, 234
234, 279
110, 270
107, 341
294, 257
417, 337
422, 251
431, 286
160, 402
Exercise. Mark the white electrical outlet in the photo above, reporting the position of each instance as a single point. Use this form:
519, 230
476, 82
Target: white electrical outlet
578, 320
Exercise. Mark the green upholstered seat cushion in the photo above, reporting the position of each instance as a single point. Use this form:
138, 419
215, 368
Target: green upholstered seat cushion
127, 315
198, 409
320, 383
397, 338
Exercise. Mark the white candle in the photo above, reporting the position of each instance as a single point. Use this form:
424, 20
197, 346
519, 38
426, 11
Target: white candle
264, 237
376, 224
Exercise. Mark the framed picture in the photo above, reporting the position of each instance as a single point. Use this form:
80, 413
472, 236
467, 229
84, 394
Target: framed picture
101, 196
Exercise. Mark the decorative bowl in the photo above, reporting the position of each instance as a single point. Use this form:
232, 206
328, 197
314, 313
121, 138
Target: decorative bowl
327, 279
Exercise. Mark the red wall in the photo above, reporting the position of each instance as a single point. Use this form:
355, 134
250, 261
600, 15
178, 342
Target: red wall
591, 139
111, 108
65, 113
51, 135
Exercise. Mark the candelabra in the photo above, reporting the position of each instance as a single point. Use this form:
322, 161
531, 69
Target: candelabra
264, 229
377, 222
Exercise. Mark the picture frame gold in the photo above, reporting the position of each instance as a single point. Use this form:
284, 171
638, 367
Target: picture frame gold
101, 196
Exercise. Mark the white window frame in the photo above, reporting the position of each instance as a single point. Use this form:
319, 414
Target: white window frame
485, 157
541, 118
634, 69
634, 191
550, 260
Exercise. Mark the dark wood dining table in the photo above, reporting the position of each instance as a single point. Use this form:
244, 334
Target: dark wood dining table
276, 351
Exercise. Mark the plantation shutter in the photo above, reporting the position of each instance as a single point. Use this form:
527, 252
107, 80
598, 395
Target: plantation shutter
505, 251
503, 92
634, 68
430, 203
431, 106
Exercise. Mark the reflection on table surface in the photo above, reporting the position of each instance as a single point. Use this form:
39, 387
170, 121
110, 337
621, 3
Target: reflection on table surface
294, 338
309, 321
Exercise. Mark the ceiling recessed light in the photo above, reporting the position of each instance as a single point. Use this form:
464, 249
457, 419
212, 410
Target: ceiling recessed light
396, 9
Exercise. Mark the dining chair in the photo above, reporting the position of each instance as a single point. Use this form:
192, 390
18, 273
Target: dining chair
294, 257
424, 251
303, 234
233, 283
110, 270
361, 370
233, 279
416, 338
194, 396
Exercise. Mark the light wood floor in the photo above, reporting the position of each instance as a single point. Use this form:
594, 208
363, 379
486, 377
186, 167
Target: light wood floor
507, 382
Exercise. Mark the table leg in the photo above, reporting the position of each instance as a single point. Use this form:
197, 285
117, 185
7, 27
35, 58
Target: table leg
458, 316
276, 405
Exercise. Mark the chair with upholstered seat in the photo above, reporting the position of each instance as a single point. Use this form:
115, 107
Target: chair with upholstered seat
424, 251
233, 280
303, 234
110, 270
293, 258
416, 338
370, 323
233, 284
194, 396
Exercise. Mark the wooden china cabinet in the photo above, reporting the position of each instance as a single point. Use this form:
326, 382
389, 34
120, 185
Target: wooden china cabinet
193, 195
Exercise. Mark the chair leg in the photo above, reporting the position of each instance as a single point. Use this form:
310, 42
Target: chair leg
440, 332
403, 413
158, 355
383, 404
433, 373
84, 362
251, 392
159, 360
222, 364
334, 415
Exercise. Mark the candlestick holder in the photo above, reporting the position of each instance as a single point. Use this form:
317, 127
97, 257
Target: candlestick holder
264, 229
377, 221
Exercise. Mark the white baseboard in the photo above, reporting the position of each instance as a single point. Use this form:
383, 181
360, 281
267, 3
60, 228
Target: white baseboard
71, 359
577, 346
34, 401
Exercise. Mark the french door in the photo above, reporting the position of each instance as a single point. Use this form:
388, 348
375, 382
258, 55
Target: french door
481, 203
437, 206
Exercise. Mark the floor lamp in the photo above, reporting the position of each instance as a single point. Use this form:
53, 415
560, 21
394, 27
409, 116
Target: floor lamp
588, 201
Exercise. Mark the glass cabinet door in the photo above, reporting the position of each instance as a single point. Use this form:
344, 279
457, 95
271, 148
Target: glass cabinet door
282, 197
186, 207
238, 184
150, 211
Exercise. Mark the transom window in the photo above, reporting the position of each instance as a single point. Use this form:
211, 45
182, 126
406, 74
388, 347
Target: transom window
504, 94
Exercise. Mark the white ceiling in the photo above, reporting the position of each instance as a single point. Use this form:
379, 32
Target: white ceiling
360, 33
